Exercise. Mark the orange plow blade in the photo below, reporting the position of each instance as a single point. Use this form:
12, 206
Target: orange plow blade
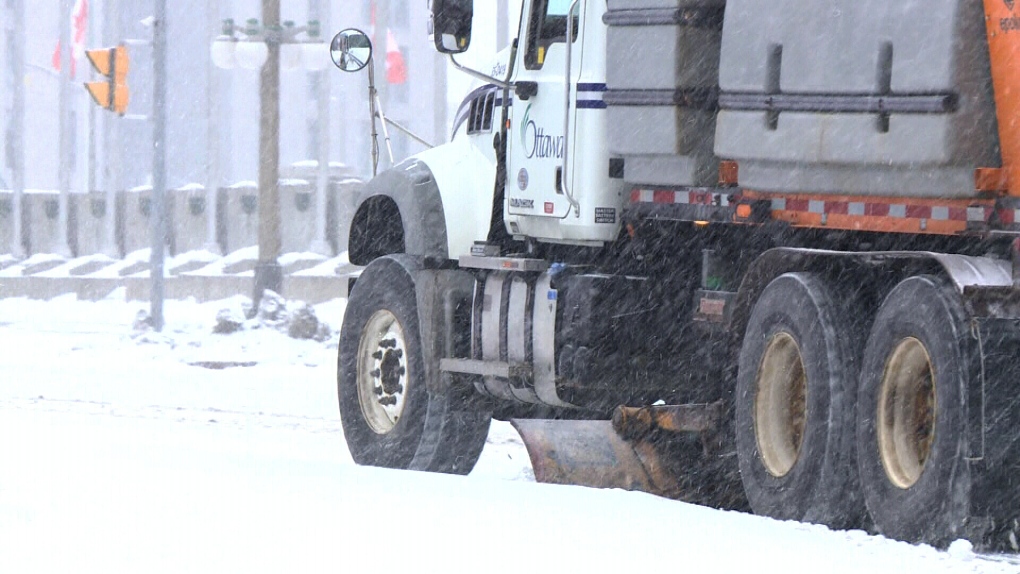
670, 451
590, 453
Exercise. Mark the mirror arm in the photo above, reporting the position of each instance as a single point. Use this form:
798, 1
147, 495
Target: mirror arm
500, 83
566, 116
406, 131
372, 99
386, 132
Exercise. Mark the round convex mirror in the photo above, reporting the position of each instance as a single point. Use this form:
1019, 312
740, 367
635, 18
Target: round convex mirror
351, 50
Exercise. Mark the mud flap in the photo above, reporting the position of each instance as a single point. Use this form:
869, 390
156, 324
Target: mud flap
994, 446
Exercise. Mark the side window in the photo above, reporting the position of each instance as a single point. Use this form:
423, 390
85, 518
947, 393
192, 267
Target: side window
547, 26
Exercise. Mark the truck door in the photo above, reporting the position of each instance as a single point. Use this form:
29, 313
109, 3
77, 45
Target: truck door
536, 136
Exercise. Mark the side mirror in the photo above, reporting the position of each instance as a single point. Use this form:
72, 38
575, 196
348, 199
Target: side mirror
351, 50
451, 25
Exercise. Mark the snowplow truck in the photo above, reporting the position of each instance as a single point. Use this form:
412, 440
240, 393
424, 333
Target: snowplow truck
753, 254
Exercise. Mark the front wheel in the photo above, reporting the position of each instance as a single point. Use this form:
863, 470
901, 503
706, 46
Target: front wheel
390, 416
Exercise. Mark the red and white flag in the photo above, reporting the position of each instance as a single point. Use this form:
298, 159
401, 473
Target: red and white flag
79, 27
396, 66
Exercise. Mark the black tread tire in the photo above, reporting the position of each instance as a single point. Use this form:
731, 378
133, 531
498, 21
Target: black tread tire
821, 485
437, 432
934, 509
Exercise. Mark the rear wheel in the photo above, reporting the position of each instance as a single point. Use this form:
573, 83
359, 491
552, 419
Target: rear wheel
390, 414
910, 426
794, 404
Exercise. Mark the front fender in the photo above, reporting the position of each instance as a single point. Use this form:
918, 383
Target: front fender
444, 197
415, 192
465, 170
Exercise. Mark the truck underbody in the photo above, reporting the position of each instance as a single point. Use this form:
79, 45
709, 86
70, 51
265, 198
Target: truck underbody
646, 340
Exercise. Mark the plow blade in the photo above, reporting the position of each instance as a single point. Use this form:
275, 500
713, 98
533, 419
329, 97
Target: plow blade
591, 453
671, 450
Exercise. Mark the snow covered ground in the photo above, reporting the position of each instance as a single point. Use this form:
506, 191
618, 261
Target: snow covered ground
117, 454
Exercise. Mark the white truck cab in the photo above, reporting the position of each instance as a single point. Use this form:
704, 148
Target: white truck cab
561, 185
529, 157
558, 185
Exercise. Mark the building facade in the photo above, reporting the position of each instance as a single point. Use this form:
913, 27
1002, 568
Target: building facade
116, 152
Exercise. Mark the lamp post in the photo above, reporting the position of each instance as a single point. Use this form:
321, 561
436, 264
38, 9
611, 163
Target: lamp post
66, 142
113, 162
268, 273
16, 142
320, 10
262, 49
157, 218
212, 166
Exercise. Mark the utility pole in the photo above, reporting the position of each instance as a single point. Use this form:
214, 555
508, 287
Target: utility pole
112, 148
16, 141
66, 141
268, 273
320, 10
91, 118
213, 170
157, 216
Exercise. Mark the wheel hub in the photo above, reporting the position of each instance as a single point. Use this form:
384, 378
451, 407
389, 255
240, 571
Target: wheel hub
906, 413
780, 404
382, 371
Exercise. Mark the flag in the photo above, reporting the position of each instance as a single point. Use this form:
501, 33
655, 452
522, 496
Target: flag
79, 27
396, 67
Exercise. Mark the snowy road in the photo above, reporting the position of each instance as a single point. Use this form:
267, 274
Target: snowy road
118, 455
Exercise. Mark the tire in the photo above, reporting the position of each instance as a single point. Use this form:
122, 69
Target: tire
389, 415
911, 414
794, 411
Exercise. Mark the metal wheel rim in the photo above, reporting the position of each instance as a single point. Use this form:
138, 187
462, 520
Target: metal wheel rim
383, 372
780, 404
906, 413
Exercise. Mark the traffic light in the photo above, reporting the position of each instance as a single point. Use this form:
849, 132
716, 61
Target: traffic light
111, 94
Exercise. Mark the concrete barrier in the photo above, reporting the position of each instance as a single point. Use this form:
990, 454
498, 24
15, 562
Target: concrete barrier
201, 288
314, 289
91, 220
190, 218
339, 200
133, 209
48, 284
237, 222
6, 221
238, 212
42, 221
342, 197
297, 215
